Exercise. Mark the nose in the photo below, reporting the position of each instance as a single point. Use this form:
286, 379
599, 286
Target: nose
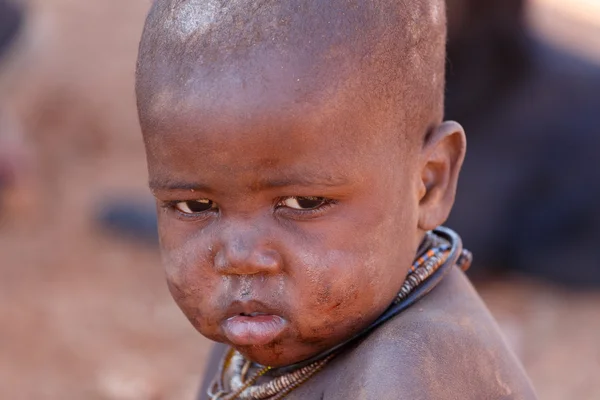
246, 250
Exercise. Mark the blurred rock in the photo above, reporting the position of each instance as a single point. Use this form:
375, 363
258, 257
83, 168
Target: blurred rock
131, 219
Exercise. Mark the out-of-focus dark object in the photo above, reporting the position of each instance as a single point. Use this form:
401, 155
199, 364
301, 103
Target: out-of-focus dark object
11, 22
132, 219
529, 193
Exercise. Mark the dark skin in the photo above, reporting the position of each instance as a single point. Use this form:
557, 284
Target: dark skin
328, 270
293, 207
449, 347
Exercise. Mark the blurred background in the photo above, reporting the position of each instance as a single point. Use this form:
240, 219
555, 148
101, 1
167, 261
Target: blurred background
84, 311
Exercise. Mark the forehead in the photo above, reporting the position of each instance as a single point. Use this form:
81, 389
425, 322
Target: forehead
321, 98
239, 131
249, 132
267, 85
270, 94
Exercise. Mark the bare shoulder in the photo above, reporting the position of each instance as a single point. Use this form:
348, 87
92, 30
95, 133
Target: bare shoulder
447, 346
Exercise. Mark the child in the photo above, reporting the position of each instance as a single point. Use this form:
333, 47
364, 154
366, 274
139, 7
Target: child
299, 160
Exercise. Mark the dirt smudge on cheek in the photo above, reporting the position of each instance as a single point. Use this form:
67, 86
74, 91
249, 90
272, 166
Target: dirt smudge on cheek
186, 276
324, 294
280, 290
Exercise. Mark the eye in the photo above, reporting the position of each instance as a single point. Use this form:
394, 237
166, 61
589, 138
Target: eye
303, 203
195, 206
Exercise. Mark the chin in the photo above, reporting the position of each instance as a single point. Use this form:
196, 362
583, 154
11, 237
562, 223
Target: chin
273, 355
279, 354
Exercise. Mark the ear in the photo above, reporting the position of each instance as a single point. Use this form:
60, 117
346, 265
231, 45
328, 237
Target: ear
441, 159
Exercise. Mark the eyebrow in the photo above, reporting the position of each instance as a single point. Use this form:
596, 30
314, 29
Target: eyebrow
157, 184
323, 180
300, 180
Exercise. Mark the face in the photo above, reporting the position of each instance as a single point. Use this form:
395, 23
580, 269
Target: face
285, 226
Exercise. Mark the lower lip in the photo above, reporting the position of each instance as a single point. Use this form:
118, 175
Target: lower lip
253, 331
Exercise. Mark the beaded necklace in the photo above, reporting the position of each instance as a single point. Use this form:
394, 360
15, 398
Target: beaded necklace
441, 249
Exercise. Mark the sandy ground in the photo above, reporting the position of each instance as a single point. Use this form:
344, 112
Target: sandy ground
87, 316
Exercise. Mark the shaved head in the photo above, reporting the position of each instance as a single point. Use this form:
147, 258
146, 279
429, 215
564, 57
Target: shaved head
386, 55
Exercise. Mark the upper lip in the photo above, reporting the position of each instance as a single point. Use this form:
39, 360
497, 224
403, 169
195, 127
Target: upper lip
250, 308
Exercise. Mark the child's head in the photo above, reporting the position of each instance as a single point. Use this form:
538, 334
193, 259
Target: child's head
297, 154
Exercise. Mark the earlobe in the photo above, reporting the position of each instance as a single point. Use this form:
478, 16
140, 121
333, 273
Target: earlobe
441, 160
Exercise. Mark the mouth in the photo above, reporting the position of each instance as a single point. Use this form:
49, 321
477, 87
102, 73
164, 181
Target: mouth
250, 327
253, 314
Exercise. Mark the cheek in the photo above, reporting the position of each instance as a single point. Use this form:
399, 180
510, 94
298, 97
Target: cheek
354, 270
337, 297
352, 279
187, 264
183, 268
